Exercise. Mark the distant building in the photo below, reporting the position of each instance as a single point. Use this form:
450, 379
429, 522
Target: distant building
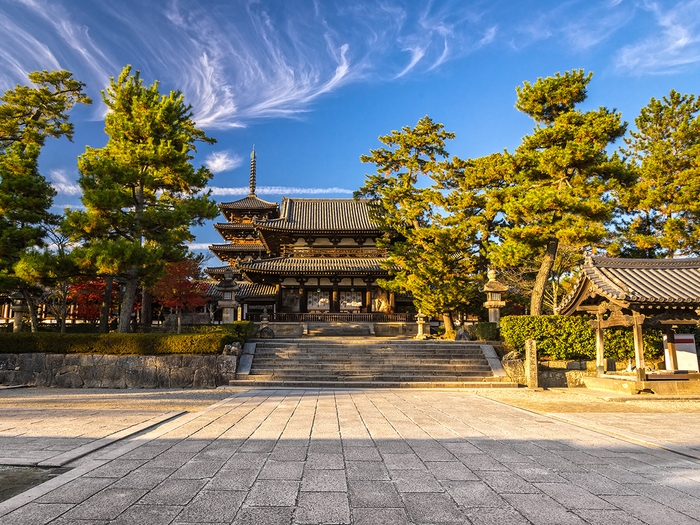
311, 256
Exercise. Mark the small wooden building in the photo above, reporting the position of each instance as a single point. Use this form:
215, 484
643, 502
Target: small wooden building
636, 293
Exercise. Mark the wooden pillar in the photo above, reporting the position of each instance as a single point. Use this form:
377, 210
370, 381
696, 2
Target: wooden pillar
392, 303
639, 346
303, 303
368, 299
671, 348
278, 298
599, 347
335, 299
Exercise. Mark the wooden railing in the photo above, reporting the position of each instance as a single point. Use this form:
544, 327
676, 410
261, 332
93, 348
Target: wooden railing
334, 317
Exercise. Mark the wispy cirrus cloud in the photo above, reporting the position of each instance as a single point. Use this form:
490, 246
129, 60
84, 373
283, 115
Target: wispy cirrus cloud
221, 161
676, 45
237, 60
279, 190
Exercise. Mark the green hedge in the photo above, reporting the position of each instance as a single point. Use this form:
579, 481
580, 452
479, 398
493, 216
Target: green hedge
120, 344
486, 331
241, 331
561, 337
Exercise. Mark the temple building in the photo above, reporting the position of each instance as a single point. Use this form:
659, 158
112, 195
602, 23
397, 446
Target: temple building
308, 259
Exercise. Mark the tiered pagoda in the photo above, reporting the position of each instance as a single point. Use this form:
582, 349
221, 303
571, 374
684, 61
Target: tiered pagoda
311, 256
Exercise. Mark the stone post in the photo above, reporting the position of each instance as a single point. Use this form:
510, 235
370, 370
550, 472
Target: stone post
531, 370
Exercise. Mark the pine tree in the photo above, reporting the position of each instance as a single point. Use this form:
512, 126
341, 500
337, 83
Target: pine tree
140, 191
662, 213
563, 177
428, 253
28, 115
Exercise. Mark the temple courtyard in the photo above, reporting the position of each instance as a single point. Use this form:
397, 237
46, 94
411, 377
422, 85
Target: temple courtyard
362, 456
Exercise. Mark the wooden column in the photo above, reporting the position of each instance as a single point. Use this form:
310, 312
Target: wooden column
303, 303
278, 298
639, 346
392, 303
599, 347
335, 299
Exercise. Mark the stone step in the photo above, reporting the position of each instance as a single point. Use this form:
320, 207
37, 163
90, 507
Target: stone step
379, 367
486, 383
344, 351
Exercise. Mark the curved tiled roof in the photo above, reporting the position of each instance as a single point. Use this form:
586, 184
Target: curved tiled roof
642, 281
314, 265
251, 202
245, 289
330, 215
234, 226
232, 247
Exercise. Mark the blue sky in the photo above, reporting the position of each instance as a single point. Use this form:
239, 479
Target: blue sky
312, 84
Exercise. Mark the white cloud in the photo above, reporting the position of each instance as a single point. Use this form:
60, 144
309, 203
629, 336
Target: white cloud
676, 45
220, 161
198, 246
62, 184
238, 61
278, 190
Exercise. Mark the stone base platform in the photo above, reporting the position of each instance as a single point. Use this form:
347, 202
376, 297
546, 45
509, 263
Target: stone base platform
632, 387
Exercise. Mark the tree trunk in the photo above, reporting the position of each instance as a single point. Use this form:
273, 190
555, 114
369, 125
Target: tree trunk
542, 275
32, 310
146, 312
64, 307
106, 305
128, 302
447, 319
179, 321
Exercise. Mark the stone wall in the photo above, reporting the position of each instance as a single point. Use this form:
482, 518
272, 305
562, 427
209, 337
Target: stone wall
553, 374
117, 371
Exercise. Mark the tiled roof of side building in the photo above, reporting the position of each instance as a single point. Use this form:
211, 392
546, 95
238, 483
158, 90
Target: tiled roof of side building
314, 265
646, 281
322, 215
251, 202
245, 290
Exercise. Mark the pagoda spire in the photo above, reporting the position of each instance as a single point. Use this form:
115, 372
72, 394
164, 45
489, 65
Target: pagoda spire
252, 173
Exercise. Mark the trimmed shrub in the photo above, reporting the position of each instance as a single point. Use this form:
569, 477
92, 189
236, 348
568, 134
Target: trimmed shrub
561, 337
119, 344
486, 331
241, 331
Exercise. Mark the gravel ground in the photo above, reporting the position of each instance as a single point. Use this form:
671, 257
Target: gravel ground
103, 398
554, 401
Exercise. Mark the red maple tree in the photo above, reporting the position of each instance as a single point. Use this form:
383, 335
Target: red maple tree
178, 289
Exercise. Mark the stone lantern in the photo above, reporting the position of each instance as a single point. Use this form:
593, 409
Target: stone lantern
18, 309
420, 321
228, 303
494, 303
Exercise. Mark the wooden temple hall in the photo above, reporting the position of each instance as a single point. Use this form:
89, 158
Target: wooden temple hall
306, 260
639, 293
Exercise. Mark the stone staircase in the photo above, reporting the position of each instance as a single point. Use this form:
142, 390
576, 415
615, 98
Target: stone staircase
368, 362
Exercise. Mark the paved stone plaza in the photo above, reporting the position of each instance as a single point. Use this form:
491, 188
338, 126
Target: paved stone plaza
369, 457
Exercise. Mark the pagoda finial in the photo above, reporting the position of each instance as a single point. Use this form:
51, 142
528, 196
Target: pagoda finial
252, 173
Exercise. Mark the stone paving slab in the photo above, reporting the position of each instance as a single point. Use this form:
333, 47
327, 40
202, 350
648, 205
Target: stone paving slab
54, 437
370, 457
